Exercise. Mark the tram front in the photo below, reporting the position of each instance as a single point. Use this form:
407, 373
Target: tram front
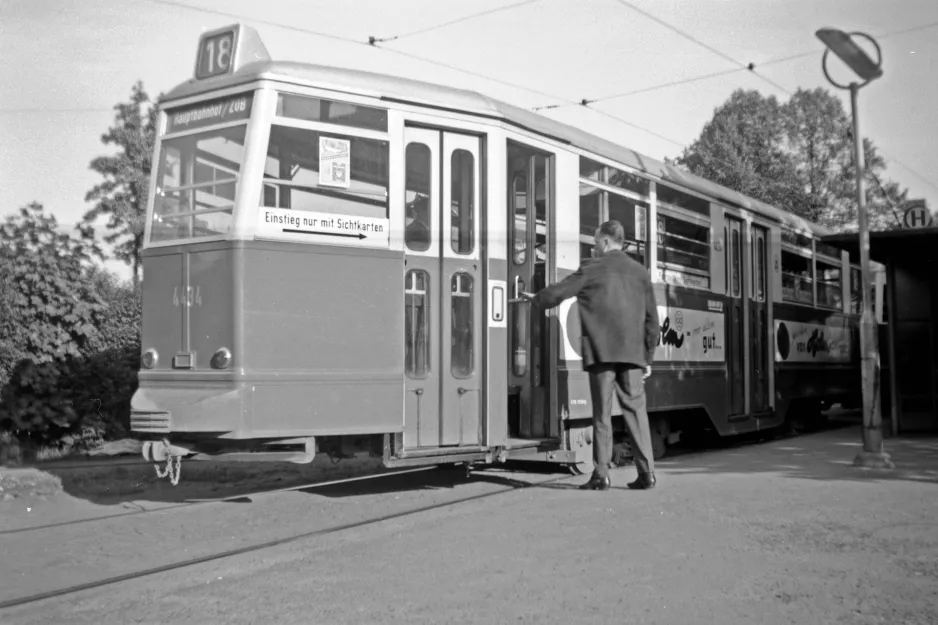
253, 344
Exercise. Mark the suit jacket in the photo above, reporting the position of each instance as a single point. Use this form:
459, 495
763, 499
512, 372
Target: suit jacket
618, 312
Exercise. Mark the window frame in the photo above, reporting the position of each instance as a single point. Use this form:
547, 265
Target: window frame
426, 294
668, 210
158, 172
835, 264
787, 248
334, 130
604, 190
431, 213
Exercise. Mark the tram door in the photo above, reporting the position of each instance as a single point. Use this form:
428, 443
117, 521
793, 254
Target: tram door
529, 180
737, 317
442, 290
758, 322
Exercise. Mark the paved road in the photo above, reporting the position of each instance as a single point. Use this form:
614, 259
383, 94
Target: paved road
785, 532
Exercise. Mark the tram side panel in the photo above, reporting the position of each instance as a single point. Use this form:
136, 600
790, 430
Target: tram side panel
816, 359
323, 339
689, 371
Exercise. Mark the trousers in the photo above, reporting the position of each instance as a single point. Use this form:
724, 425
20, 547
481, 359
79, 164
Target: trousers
625, 381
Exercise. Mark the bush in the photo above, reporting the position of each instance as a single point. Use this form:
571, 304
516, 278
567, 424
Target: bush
69, 336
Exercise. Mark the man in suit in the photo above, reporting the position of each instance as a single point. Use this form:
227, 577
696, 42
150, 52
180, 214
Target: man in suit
619, 318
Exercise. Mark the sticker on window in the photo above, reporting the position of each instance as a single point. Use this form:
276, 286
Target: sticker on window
334, 162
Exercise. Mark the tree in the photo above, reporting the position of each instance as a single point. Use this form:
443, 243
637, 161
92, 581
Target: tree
123, 194
742, 148
797, 156
819, 136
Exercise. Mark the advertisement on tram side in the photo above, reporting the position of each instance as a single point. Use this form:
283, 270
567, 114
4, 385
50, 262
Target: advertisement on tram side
800, 342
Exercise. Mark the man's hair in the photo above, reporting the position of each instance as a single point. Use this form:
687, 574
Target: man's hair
613, 229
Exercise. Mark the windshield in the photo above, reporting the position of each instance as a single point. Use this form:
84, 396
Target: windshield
196, 184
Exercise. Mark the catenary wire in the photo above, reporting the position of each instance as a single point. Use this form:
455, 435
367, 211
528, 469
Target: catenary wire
584, 102
373, 40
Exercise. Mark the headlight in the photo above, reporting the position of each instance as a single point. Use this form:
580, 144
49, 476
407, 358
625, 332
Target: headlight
221, 359
150, 358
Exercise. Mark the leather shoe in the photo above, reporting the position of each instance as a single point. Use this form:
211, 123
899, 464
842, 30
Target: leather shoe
597, 483
644, 481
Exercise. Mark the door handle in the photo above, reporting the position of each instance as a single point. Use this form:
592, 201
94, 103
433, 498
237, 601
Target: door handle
516, 295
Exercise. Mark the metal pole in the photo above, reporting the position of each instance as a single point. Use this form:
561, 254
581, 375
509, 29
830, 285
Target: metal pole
872, 453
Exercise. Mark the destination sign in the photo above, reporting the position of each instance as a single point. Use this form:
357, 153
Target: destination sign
209, 113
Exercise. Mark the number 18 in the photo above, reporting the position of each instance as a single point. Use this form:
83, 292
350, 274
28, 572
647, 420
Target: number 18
219, 54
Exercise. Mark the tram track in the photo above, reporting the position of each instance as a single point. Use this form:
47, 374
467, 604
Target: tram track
214, 500
513, 485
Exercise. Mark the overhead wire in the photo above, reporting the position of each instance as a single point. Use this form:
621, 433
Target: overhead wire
374, 40
750, 67
357, 42
583, 102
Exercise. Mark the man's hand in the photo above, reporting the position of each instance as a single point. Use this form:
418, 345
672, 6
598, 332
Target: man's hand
527, 296
647, 372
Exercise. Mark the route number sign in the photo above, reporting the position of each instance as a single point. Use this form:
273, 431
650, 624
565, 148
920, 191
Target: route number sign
216, 54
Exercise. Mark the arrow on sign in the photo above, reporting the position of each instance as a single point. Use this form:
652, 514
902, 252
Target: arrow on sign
328, 234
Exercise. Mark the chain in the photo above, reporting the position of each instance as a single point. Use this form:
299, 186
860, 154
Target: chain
171, 472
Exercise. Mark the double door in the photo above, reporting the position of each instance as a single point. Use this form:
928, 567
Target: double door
748, 319
443, 290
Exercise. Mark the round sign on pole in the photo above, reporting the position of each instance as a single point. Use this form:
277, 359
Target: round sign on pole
917, 216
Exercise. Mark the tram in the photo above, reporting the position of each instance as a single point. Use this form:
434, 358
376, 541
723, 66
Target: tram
333, 262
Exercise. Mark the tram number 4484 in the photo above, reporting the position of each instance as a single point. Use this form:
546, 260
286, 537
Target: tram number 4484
190, 297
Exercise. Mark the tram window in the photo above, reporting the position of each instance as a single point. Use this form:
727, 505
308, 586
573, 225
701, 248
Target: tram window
519, 340
591, 170
796, 278
463, 206
829, 285
630, 182
683, 251
331, 112
794, 238
760, 269
591, 200
196, 183
683, 200
462, 355
590, 209
519, 199
417, 324
292, 169
417, 197
735, 255
631, 215
726, 258
856, 291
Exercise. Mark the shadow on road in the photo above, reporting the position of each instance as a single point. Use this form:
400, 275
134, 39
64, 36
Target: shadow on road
824, 455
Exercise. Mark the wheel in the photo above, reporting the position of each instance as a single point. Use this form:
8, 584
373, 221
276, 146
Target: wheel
659, 444
660, 430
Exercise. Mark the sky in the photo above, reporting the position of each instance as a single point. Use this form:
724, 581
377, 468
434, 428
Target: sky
64, 64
